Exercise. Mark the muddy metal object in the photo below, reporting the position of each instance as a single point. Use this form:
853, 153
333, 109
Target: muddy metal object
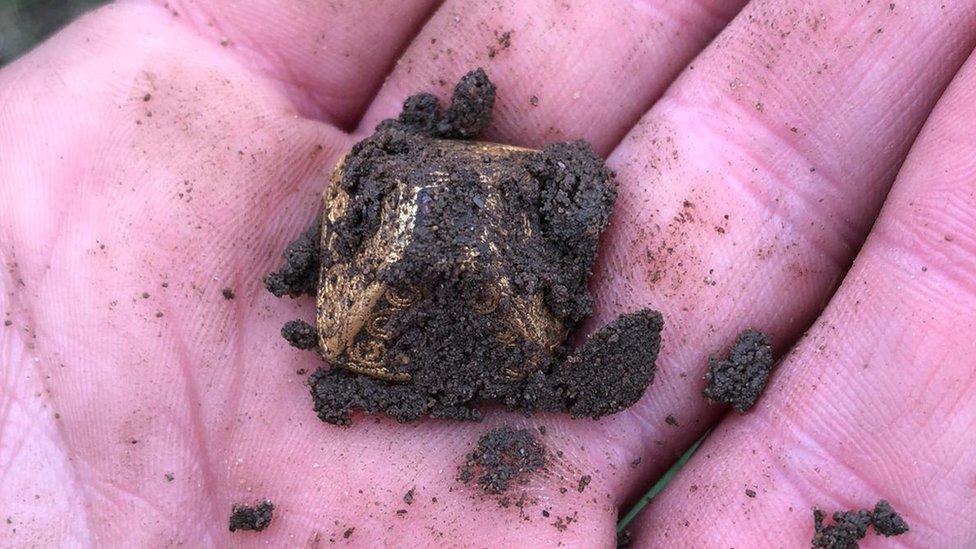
355, 306
452, 273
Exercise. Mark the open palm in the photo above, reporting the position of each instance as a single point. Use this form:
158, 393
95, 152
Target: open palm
153, 155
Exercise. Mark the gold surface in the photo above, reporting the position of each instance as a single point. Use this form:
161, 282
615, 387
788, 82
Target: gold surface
353, 306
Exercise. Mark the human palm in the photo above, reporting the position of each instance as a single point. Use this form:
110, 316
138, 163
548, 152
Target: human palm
152, 155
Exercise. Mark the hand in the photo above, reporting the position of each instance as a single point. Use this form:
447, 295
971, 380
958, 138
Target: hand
153, 155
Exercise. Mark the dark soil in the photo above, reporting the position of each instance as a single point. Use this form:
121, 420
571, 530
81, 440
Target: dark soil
530, 218
300, 273
624, 539
504, 455
300, 334
741, 378
851, 526
466, 118
886, 521
251, 517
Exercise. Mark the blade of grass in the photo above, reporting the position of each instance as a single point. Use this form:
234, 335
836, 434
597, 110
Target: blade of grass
659, 485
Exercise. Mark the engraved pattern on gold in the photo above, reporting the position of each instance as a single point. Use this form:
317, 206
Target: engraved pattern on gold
365, 358
487, 300
369, 352
402, 298
507, 335
376, 325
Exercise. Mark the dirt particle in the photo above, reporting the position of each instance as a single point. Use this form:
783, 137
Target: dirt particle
562, 523
300, 272
169, 477
349, 532
300, 334
624, 538
408, 497
251, 517
741, 378
145, 295
671, 420
851, 526
503, 455
227, 293
8, 322
750, 493
584, 481
147, 97
886, 521
534, 101
635, 463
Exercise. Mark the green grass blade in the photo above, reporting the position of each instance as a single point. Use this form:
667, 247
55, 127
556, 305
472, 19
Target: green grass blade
659, 485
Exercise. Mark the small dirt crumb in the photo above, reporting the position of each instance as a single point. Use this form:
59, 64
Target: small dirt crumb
248, 517
562, 523
741, 378
8, 322
503, 455
147, 97
408, 497
584, 481
145, 295
228, 293
169, 477
624, 538
534, 101
851, 526
671, 420
886, 521
300, 273
348, 533
300, 334
750, 493
636, 463
545, 513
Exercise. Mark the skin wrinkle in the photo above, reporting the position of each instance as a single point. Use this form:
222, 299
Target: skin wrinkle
198, 430
761, 191
266, 61
6, 281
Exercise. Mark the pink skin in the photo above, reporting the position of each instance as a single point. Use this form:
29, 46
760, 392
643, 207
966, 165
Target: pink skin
105, 196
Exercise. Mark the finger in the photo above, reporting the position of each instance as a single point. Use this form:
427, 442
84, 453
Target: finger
330, 57
879, 400
564, 70
152, 172
746, 190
